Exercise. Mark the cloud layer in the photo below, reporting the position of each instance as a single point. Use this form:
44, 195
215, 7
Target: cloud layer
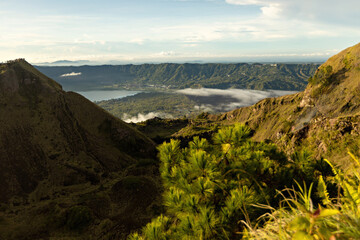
169, 30
219, 100
143, 117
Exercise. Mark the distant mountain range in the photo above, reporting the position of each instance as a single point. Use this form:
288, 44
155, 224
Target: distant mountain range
177, 76
66, 63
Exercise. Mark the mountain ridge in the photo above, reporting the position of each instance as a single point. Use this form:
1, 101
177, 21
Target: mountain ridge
178, 76
56, 146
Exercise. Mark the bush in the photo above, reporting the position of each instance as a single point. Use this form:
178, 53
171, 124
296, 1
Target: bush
337, 217
210, 189
78, 218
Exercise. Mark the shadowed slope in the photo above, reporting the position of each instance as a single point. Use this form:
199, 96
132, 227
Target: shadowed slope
51, 140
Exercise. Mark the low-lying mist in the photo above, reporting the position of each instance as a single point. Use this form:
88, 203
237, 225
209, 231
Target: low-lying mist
143, 117
186, 102
222, 100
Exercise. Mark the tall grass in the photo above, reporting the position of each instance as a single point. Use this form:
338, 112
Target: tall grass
297, 218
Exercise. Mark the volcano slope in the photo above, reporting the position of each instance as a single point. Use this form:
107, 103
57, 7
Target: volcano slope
67, 167
323, 119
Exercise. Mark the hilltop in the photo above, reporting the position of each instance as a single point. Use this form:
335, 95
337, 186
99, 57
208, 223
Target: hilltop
67, 166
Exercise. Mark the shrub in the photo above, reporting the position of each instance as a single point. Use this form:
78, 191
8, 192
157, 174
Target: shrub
211, 188
78, 217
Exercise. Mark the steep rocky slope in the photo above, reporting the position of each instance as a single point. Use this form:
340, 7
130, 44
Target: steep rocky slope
66, 165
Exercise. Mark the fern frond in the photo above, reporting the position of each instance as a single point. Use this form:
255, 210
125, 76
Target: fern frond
322, 191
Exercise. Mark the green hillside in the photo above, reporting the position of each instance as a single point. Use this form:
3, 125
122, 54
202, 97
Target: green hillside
169, 104
178, 76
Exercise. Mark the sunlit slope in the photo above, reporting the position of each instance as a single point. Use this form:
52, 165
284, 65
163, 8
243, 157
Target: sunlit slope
326, 112
323, 118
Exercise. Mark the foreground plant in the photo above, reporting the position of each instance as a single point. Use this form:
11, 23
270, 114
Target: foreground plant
297, 218
211, 188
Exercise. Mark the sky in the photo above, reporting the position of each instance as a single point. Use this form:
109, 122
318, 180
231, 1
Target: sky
136, 31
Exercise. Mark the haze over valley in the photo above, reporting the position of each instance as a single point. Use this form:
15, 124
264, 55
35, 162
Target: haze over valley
168, 86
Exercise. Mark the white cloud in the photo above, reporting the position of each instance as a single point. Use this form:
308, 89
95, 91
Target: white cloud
307, 10
245, 2
139, 41
272, 10
229, 99
191, 45
143, 117
188, 33
72, 74
165, 54
320, 33
41, 38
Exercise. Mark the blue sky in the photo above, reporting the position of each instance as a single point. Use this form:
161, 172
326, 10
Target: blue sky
132, 31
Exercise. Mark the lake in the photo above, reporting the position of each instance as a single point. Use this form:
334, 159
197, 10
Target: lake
100, 95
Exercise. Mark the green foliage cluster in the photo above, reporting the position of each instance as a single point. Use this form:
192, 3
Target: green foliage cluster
349, 60
171, 75
161, 129
212, 189
78, 217
322, 79
336, 217
322, 76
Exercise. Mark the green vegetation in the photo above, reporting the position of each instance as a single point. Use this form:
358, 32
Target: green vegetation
228, 190
298, 217
178, 76
78, 217
211, 190
170, 104
322, 76
159, 129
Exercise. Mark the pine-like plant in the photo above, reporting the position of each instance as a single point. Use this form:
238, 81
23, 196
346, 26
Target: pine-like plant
334, 218
211, 189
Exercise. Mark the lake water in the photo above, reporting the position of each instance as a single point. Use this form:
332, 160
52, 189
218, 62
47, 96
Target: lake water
100, 95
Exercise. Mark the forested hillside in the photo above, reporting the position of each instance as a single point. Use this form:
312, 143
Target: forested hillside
168, 75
